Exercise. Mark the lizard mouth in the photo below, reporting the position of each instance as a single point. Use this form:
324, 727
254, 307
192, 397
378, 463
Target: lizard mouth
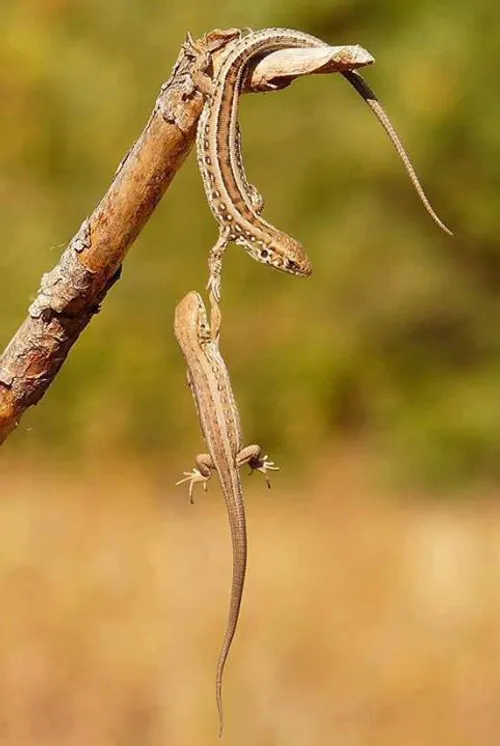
302, 270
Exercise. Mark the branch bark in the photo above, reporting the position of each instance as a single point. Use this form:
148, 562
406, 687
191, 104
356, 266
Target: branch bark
73, 291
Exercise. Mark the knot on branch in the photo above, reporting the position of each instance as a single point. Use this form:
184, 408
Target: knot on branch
6, 378
191, 77
70, 286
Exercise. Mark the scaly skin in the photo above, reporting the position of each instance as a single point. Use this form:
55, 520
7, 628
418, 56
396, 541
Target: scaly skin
236, 204
210, 385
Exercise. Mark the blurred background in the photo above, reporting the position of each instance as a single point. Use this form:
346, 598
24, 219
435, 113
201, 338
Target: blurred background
371, 607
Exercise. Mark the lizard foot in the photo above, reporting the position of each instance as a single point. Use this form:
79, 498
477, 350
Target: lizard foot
264, 465
193, 477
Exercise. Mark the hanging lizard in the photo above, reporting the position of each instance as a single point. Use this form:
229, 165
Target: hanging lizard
209, 381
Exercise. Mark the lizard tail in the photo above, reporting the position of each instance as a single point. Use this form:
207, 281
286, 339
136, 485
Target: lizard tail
368, 95
239, 540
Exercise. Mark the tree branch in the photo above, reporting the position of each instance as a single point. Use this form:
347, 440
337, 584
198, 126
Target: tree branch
73, 291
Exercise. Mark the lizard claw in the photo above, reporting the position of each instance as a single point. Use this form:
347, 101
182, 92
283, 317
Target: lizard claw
264, 465
213, 288
193, 477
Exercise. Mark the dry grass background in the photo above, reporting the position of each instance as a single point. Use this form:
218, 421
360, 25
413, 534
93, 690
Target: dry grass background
368, 618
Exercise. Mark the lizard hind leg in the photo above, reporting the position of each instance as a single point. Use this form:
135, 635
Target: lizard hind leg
215, 266
215, 281
200, 473
251, 455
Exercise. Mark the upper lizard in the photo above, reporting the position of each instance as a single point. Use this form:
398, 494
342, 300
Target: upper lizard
236, 204
209, 381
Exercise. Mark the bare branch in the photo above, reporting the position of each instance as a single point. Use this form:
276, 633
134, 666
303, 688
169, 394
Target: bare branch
72, 292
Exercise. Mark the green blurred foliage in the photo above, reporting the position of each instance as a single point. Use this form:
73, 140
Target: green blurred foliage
393, 337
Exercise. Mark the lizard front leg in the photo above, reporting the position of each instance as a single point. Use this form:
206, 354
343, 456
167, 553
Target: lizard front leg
252, 455
200, 473
256, 198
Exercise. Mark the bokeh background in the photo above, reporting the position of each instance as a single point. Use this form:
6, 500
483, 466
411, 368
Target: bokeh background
371, 609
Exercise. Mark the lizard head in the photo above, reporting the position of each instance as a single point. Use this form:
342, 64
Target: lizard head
191, 319
271, 246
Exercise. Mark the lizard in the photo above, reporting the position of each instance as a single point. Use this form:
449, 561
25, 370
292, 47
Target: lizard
210, 384
236, 204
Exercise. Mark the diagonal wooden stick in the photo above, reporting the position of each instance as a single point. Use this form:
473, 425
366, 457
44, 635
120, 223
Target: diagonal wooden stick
73, 291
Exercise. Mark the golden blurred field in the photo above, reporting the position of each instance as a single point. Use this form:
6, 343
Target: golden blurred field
370, 614
367, 618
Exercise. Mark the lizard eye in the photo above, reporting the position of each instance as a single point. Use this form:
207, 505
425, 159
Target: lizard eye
264, 253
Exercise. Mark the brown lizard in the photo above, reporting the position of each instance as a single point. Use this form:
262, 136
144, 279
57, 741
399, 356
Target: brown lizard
236, 204
209, 381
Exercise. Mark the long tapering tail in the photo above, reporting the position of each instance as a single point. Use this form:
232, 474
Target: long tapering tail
369, 96
236, 511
